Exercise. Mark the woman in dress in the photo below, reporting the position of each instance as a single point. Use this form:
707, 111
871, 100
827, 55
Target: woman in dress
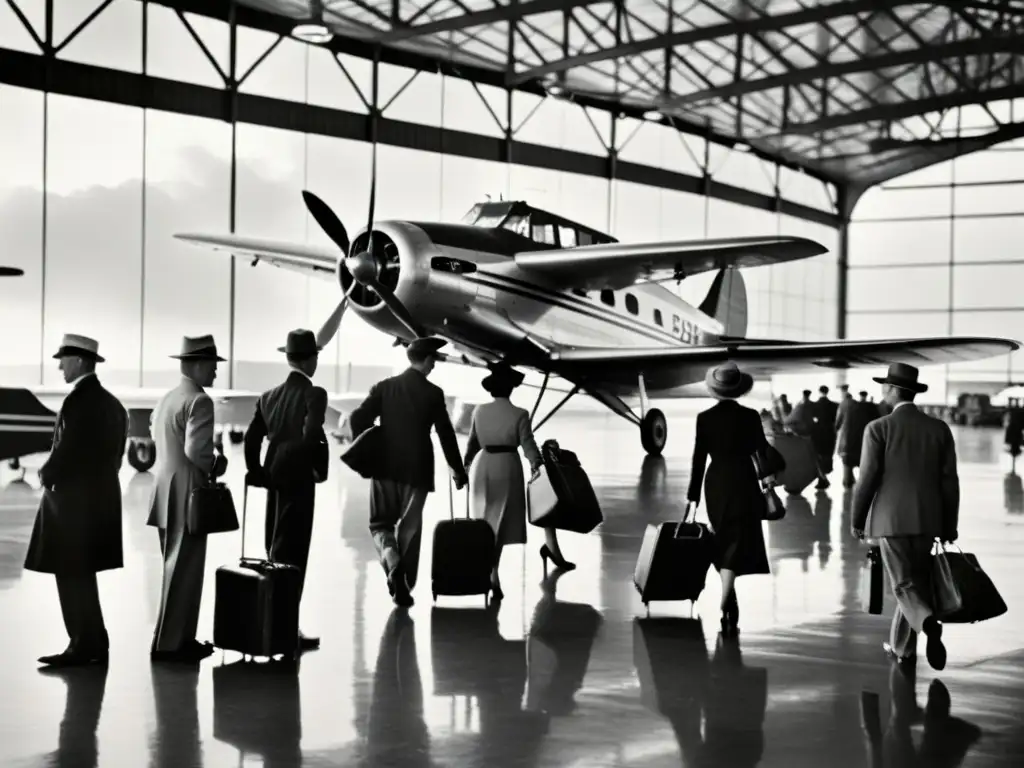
730, 434
496, 486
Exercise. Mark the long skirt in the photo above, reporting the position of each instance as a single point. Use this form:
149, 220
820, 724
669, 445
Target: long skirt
734, 505
498, 495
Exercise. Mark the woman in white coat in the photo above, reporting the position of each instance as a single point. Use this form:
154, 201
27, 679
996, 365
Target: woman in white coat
496, 484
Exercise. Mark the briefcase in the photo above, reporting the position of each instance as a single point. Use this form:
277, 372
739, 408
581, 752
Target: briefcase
561, 495
979, 598
211, 509
872, 580
366, 454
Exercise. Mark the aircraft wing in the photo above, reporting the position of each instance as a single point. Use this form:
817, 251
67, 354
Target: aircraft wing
616, 265
621, 365
305, 259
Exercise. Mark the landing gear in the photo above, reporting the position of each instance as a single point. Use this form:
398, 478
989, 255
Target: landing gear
141, 454
654, 432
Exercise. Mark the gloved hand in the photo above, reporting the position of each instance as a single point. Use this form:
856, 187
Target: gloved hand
220, 465
461, 480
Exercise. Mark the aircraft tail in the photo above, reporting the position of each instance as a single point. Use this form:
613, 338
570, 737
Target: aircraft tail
727, 302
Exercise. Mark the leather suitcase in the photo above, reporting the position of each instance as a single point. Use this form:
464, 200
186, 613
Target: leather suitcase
562, 496
673, 562
463, 555
256, 605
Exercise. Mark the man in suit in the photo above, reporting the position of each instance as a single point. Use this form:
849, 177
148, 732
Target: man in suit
824, 432
908, 495
846, 402
851, 423
183, 423
408, 407
291, 417
77, 531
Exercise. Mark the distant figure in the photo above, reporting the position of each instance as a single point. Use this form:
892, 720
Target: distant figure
781, 408
851, 422
846, 402
291, 417
497, 490
77, 532
409, 407
183, 422
1013, 436
730, 434
907, 496
800, 420
824, 433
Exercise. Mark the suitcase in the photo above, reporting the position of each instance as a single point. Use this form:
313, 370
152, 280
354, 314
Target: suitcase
256, 605
673, 562
463, 554
801, 462
872, 580
561, 496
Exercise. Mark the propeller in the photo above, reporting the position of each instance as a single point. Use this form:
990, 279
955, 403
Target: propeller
11, 272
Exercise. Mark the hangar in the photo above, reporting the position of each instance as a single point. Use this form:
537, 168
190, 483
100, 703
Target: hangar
889, 132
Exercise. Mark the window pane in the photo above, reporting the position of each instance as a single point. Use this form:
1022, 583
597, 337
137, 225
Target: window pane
903, 287
994, 165
895, 325
993, 238
996, 198
988, 286
1006, 325
567, 237
882, 203
899, 242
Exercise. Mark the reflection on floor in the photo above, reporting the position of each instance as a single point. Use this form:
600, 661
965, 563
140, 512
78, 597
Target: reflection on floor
569, 671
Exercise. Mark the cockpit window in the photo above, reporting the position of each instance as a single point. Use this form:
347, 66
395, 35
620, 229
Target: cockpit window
544, 233
518, 224
472, 214
487, 214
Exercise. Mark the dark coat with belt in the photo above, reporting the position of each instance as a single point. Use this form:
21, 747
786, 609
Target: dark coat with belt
408, 406
78, 525
291, 417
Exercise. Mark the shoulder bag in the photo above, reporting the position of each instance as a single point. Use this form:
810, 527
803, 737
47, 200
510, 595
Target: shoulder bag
773, 507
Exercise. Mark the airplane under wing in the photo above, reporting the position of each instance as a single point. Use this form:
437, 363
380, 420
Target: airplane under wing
617, 265
621, 366
306, 259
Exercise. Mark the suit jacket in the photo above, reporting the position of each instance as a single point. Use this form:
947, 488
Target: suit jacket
908, 480
182, 427
843, 410
826, 411
851, 426
408, 406
78, 524
291, 417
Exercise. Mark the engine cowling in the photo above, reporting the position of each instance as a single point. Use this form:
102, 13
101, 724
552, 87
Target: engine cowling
389, 268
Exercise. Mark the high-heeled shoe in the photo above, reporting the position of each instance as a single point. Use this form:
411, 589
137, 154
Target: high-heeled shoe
560, 562
730, 624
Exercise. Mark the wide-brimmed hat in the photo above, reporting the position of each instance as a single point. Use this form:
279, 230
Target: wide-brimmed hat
903, 376
82, 346
502, 376
301, 343
425, 346
727, 380
198, 348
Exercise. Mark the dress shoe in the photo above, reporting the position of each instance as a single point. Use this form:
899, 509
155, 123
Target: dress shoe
935, 651
191, 653
71, 658
308, 643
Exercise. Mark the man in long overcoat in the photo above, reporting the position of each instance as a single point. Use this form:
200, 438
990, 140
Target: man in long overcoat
851, 423
77, 531
183, 424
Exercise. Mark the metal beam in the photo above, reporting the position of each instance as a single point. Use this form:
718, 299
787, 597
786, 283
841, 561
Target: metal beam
504, 12
815, 15
926, 55
903, 110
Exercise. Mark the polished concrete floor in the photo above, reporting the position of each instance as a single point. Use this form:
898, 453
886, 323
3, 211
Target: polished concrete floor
568, 671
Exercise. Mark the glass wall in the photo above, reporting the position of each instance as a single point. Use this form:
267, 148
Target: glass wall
92, 194
938, 252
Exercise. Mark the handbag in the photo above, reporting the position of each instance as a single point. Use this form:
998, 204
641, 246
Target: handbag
946, 598
773, 509
980, 600
365, 455
211, 509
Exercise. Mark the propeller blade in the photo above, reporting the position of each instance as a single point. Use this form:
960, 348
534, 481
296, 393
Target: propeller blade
11, 272
397, 308
328, 221
330, 328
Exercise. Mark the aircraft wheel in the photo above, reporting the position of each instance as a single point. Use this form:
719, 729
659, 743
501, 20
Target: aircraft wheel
141, 455
654, 432
236, 436
14, 464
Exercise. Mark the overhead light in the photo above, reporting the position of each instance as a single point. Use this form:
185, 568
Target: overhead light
652, 114
313, 33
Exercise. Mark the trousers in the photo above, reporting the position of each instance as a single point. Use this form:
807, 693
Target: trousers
83, 617
182, 593
396, 524
289, 526
907, 561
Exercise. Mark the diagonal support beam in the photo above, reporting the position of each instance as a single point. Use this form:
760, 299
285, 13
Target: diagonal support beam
815, 15
801, 76
504, 12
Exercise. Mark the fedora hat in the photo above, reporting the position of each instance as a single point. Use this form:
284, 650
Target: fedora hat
727, 380
903, 376
301, 343
425, 346
198, 348
502, 373
82, 346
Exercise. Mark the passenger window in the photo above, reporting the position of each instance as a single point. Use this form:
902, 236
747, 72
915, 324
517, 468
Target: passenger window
608, 297
544, 233
657, 317
584, 238
632, 305
567, 237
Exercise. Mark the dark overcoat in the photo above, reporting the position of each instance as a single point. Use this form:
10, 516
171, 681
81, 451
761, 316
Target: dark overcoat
78, 525
851, 430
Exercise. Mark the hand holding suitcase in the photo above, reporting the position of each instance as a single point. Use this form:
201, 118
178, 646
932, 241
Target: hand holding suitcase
463, 554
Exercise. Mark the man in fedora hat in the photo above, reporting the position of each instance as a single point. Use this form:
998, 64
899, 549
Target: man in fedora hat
291, 417
77, 532
408, 407
183, 423
908, 495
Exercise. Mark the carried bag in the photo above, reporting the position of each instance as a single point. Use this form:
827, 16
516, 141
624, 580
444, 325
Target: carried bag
872, 579
366, 454
211, 509
774, 509
946, 598
979, 598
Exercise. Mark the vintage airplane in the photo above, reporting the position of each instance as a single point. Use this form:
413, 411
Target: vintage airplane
519, 284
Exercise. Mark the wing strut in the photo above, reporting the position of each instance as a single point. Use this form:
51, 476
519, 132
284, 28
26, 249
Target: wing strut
563, 401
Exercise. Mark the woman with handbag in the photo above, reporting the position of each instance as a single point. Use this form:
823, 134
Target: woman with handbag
732, 436
496, 484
